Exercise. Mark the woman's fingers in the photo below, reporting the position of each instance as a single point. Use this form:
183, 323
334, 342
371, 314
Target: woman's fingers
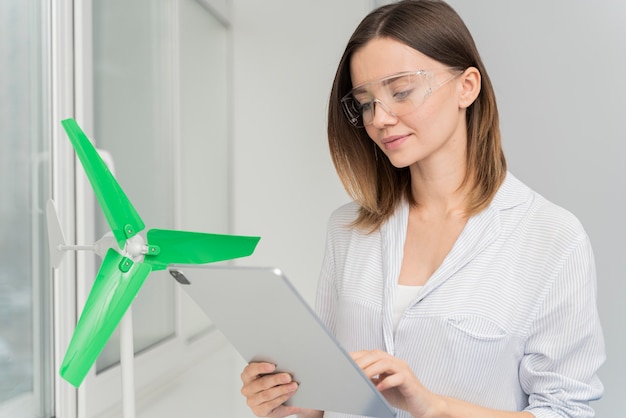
259, 377
266, 392
253, 370
396, 381
269, 387
375, 362
269, 403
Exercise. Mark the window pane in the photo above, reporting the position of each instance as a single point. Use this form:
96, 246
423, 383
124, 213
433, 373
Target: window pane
131, 118
26, 384
205, 134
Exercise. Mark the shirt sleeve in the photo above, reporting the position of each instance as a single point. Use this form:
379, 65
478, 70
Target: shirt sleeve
565, 347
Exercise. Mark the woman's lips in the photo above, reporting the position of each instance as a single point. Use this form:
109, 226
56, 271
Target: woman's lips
393, 142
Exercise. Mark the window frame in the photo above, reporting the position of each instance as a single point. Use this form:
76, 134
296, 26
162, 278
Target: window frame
70, 72
60, 73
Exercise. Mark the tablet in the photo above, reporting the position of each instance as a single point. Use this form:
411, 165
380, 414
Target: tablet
265, 319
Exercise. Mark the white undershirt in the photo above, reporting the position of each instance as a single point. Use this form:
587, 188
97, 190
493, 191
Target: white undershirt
404, 296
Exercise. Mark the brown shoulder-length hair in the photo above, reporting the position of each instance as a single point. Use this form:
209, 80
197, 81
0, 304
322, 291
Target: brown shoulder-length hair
436, 30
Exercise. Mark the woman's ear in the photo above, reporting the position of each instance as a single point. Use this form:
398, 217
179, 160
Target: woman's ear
470, 87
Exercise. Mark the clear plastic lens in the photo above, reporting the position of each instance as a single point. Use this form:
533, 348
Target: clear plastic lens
398, 95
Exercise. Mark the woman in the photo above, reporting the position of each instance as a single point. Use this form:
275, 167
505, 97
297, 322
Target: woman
457, 289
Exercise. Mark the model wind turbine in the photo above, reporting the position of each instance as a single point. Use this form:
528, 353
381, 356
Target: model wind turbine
128, 258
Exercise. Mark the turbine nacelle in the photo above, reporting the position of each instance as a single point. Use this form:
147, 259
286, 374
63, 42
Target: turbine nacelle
135, 247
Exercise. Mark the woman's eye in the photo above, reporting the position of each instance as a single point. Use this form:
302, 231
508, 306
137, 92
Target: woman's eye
365, 107
402, 95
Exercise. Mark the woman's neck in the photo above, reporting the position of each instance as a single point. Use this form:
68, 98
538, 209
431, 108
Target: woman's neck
440, 191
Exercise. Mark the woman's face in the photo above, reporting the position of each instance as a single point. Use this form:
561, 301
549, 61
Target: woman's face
429, 132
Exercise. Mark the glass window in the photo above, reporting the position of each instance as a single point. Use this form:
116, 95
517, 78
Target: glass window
133, 123
26, 380
205, 134
161, 108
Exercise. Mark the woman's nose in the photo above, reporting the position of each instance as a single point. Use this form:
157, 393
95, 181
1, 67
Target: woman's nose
382, 114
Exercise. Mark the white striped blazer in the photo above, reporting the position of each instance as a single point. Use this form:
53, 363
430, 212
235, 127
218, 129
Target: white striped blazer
508, 321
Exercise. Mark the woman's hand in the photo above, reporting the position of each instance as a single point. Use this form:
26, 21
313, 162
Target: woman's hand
396, 381
267, 392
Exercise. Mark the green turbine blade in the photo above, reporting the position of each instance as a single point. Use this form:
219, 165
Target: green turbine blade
114, 289
118, 210
181, 247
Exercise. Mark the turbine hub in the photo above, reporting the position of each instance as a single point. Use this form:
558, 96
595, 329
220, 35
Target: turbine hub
135, 248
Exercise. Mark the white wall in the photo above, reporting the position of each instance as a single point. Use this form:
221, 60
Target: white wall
285, 56
559, 70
